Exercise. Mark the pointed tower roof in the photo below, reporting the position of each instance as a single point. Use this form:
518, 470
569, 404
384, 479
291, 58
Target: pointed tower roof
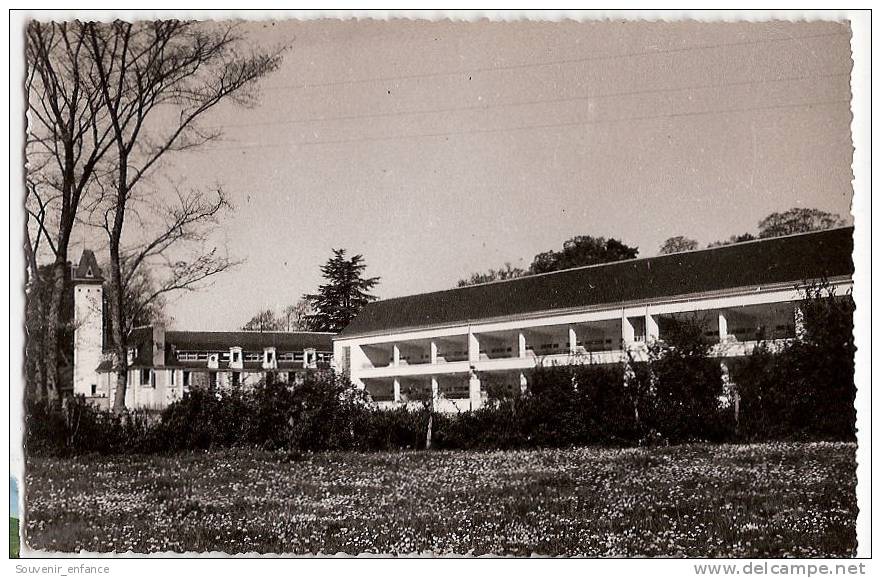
88, 269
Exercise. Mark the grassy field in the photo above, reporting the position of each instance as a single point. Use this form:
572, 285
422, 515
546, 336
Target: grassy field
695, 500
13, 538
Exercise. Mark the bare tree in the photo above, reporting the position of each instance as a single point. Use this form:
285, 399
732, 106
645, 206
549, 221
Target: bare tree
263, 322
144, 302
156, 79
64, 146
296, 317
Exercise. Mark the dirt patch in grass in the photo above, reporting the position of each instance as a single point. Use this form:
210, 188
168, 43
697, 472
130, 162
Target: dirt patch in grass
766, 500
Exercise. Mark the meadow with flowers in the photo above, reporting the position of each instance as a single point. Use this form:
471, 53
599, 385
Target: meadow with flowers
761, 500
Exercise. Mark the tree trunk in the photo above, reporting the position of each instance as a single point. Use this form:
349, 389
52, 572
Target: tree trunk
34, 351
52, 387
119, 341
428, 431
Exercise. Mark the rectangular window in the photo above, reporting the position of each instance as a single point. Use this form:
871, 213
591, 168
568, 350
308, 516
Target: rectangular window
236, 356
186, 378
145, 377
94, 389
236, 379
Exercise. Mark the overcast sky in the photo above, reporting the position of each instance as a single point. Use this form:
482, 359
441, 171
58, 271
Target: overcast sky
439, 149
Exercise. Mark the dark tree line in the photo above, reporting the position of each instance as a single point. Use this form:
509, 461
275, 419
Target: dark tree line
792, 221
578, 251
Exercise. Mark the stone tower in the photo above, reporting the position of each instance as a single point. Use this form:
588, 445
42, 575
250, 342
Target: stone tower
88, 318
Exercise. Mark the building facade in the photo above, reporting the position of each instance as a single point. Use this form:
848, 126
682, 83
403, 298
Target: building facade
163, 365
450, 345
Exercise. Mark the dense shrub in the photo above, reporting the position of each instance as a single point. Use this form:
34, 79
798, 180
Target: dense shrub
606, 402
77, 427
806, 389
318, 414
686, 385
400, 428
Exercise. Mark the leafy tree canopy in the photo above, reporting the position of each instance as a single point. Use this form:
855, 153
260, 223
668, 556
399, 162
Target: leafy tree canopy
732, 240
797, 220
580, 251
500, 274
677, 245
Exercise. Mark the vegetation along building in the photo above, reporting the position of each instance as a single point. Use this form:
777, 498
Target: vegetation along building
449, 346
164, 365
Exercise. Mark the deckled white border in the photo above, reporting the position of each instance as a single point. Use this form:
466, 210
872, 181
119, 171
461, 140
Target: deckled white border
861, 134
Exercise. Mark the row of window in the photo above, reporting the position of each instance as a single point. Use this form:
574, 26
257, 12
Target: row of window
236, 356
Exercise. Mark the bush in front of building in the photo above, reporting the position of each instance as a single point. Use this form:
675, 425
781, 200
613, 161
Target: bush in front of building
805, 389
78, 427
206, 419
392, 429
319, 413
685, 389
565, 405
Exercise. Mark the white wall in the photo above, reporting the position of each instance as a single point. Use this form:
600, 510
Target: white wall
87, 336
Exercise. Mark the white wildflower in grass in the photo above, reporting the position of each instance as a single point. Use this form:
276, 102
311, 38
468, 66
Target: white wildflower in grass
692, 500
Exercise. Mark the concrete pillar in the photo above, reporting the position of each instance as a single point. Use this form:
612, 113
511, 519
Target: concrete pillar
357, 360
474, 392
573, 341
652, 333
627, 332
433, 349
523, 383
397, 390
434, 391
473, 348
723, 327
521, 345
396, 355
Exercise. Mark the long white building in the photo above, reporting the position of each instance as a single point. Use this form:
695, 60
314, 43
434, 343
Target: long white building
451, 344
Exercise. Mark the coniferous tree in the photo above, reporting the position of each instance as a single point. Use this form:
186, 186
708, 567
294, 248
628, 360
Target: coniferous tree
346, 292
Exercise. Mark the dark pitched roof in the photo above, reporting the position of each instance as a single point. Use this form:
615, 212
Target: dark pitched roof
789, 259
249, 340
88, 268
